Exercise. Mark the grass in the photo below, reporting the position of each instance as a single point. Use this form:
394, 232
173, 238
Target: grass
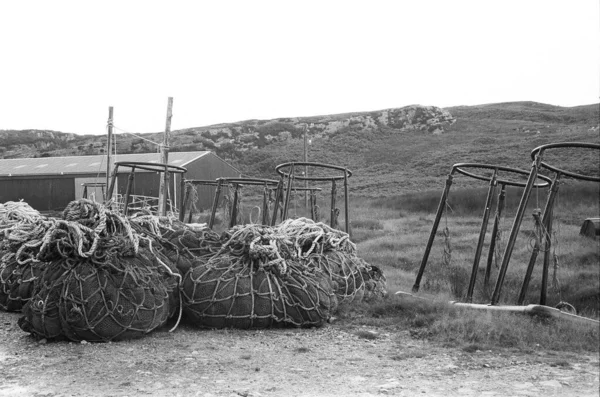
392, 233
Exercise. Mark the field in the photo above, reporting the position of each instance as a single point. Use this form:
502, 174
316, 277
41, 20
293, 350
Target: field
400, 345
395, 346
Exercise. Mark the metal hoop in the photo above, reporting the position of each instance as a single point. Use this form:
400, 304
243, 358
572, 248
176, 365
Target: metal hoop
157, 167
346, 172
459, 168
539, 151
248, 181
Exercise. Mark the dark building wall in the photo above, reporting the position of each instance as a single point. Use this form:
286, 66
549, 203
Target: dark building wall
46, 193
42, 193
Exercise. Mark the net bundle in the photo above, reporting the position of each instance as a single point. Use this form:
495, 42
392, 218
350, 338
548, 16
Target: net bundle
18, 267
256, 280
105, 297
100, 280
185, 247
295, 273
331, 250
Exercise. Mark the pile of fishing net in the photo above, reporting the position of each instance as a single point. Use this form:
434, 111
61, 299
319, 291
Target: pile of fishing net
97, 275
97, 278
18, 271
295, 273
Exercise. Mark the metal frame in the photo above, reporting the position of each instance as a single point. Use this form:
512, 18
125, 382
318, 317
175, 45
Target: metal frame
546, 220
494, 181
291, 177
155, 167
237, 184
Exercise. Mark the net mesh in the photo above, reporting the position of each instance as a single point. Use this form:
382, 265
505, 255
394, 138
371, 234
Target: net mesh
295, 273
97, 275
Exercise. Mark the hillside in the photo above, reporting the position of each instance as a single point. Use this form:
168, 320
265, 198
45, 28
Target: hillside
390, 151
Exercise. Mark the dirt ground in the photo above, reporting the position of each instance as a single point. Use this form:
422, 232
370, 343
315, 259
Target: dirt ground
335, 360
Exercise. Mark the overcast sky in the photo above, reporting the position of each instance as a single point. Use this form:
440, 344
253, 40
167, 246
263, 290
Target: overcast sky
63, 63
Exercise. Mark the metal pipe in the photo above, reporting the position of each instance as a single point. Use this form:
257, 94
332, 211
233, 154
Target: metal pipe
278, 193
130, 180
111, 188
482, 232
288, 193
234, 206
532, 258
333, 222
213, 212
515, 229
548, 222
265, 206
499, 209
183, 197
436, 223
536, 249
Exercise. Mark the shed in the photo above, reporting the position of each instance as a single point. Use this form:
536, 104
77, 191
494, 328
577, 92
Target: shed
590, 228
50, 183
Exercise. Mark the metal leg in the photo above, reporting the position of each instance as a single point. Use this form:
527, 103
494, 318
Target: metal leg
499, 209
436, 223
515, 229
482, 232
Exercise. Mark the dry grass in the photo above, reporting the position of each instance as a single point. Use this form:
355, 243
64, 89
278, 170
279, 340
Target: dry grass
398, 247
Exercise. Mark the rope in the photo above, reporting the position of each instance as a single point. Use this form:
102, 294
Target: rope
447, 250
138, 136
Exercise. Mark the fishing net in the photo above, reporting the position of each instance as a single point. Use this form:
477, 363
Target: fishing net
18, 266
331, 251
113, 294
256, 281
184, 247
295, 273
16, 283
100, 281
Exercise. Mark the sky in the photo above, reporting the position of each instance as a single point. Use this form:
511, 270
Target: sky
64, 63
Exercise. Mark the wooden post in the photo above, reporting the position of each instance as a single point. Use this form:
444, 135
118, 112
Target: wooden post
305, 170
110, 131
164, 158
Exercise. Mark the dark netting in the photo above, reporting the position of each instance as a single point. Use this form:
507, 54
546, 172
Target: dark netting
184, 246
233, 291
263, 275
104, 297
99, 279
16, 282
228, 293
21, 236
40, 314
345, 271
123, 301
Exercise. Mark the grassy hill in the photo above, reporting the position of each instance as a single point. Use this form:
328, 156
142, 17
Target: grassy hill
386, 159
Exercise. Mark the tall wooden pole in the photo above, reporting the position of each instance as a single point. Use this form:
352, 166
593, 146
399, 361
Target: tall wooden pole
164, 158
108, 144
305, 170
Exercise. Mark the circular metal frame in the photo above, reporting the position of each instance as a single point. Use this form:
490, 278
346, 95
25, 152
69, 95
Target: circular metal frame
346, 172
459, 168
247, 181
307, 189
157, 167
581, 145
209, 182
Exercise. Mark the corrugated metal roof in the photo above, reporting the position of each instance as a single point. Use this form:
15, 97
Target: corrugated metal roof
86, 164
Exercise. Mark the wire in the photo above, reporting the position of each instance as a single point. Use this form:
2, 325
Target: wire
160, 145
